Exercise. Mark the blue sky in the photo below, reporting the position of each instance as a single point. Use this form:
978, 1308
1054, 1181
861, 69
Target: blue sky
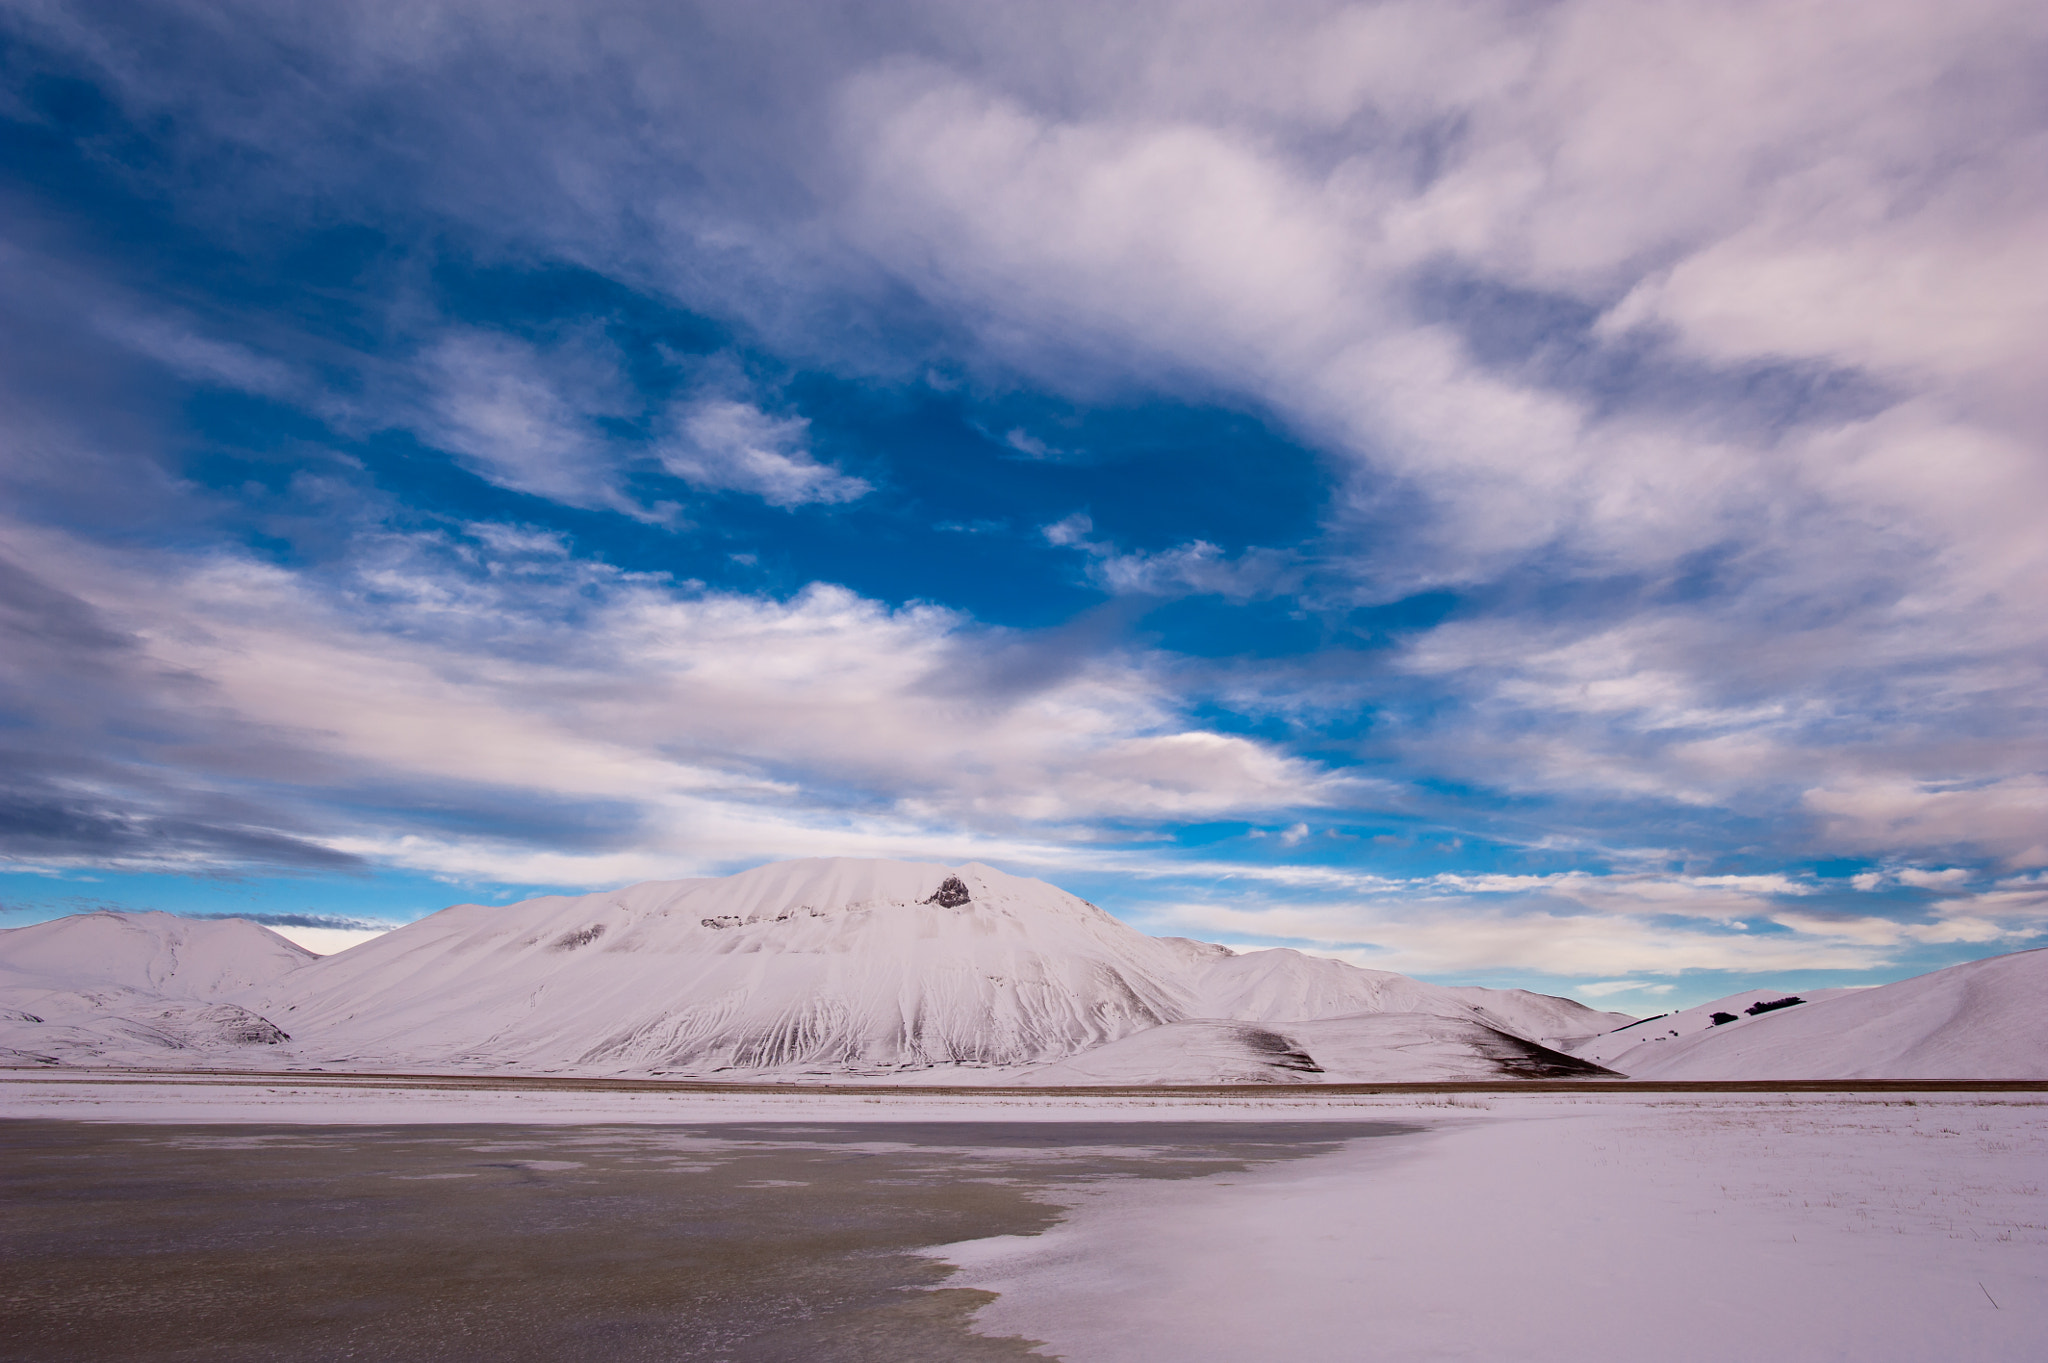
1520, 494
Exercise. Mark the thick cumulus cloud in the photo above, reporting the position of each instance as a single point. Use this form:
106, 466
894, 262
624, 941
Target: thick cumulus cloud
1671, 365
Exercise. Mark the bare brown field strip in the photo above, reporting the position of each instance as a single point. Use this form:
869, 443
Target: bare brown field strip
344, 1079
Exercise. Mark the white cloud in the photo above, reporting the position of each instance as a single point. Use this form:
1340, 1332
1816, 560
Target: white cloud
1724, 899
732, 725
1752, 190
204, 359
529, 417
2006, 817
525, 418
1452, 937
327, 941
1025, 443
727, 446
1195, 568
1601, 989
1575, 925
1945, 879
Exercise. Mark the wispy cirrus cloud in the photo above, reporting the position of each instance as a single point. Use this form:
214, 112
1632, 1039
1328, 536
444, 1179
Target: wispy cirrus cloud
1197, 568
527, 417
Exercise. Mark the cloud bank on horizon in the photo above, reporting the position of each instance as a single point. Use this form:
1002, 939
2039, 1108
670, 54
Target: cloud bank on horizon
1527, 492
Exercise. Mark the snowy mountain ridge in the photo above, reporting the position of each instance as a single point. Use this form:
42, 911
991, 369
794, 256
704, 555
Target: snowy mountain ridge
922, 973
826, 966
805, 968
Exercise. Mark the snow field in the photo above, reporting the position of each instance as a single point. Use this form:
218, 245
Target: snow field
1808, 1228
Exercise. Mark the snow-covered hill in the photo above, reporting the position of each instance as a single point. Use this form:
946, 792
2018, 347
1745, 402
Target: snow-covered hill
820, 967
136, 988
1983, 1020
836, 967
1746, 1006
823, 966
155, 953
1284, 985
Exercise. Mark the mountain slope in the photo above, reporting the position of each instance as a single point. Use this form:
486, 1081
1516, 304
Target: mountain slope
1982, 1020
1284, 985
1369, 1048
136, 988
823, 965
819, 967
1653, 1032
154, 953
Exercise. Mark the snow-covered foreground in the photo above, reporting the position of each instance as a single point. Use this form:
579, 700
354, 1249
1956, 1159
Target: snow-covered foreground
1538, 1229
1600, 1227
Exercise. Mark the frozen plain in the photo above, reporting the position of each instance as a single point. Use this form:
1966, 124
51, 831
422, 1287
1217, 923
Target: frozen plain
1588, 1226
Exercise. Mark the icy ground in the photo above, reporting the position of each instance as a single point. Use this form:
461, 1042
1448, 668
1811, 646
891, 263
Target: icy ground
1610, 1226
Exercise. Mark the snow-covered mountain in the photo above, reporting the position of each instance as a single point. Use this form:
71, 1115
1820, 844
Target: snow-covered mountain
1608, 1049
830, 968
136, 988
823, 967
155, 953
1983, 1020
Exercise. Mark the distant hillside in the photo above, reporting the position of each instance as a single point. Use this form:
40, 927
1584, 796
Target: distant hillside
137, 988
1982, 1020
